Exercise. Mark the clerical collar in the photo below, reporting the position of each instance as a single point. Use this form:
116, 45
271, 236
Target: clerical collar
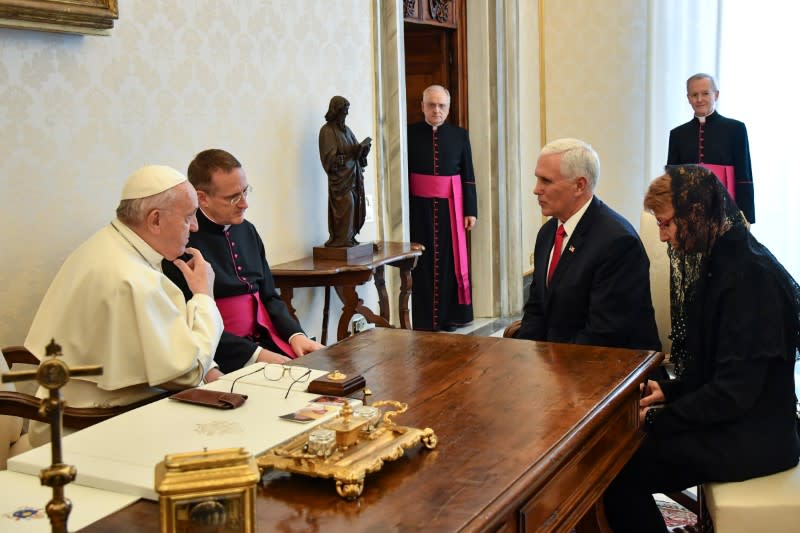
435, 128
145, 251
224, 226
703, 119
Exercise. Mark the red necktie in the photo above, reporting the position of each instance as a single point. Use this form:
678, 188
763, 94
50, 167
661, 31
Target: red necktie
560, 234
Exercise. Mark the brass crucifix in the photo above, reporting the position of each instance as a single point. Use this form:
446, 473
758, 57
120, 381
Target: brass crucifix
53, 374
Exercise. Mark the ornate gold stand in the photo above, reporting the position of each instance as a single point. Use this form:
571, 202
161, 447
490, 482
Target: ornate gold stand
53, 374
209, 491
359, 451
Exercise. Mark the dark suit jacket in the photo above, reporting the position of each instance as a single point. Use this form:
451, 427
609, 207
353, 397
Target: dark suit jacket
600, 291
248, 263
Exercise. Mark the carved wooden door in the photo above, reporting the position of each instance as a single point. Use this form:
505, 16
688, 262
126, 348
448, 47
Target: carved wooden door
435, 48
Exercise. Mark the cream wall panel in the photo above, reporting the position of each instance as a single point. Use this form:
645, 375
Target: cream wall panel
78, 114
530, 131
595, 89
482, 43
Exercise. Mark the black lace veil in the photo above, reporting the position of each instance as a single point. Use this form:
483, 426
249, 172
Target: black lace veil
704, 211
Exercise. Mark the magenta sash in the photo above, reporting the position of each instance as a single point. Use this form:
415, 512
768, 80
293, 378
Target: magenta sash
449, 187
725, 175
241, 314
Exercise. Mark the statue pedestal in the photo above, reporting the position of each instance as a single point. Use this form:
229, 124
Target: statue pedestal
350, 253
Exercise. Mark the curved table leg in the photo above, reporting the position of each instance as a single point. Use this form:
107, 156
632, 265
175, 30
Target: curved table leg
383, 296
349, 297
287, 293
352, 305
325, 309
405, 268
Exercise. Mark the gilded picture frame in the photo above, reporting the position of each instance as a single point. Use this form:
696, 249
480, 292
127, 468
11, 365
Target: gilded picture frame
92, 17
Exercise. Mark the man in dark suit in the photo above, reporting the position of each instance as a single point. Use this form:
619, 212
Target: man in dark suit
591, 284
258, 325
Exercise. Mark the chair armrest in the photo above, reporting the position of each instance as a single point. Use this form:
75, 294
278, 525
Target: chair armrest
19, 354
27, 406
21, 405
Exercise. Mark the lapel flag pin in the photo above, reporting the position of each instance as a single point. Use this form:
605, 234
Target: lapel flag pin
571, 249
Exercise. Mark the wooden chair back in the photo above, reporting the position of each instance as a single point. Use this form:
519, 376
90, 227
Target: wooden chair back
27, 406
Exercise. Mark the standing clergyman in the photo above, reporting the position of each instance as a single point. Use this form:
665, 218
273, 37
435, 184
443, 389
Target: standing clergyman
444, 207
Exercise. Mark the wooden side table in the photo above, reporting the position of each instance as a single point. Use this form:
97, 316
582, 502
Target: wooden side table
345, 276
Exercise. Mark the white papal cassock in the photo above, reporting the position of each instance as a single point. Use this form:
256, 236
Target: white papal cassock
111, 305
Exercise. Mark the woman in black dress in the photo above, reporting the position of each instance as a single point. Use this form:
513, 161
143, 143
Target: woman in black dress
730, 414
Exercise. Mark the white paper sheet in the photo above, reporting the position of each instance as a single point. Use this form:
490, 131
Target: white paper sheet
23, 500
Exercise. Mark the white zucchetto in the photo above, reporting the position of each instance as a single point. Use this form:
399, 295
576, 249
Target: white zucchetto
151, 180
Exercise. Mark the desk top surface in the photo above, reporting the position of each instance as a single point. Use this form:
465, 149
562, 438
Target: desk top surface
504, 411
387, 253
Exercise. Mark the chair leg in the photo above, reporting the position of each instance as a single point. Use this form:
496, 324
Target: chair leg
686, 499
698, 507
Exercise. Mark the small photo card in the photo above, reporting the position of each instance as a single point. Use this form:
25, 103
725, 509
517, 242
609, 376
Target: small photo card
336, 401
312, 411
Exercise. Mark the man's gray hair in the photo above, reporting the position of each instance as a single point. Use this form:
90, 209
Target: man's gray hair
432, 88
701, 76
577, 159
134, 211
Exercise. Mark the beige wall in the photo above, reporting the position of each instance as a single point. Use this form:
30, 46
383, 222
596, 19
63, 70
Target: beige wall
78, 114
530, 127
595, 88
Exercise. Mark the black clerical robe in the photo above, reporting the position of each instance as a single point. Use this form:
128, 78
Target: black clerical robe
237, 254
446, 152
723, 142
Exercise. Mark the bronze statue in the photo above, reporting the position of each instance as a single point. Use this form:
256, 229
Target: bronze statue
343, 159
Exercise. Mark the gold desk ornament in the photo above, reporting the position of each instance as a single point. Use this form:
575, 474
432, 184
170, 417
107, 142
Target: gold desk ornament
361, 448
321, 442
369, 413
213, 489
337, 384
347, 427
53, 374
337, 376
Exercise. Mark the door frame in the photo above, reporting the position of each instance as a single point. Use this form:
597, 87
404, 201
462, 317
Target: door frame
493, 114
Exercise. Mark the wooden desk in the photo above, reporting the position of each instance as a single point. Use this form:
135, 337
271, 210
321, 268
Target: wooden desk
530, 434
345, 277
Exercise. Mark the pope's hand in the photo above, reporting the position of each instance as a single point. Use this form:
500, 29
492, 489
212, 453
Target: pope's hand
198, 272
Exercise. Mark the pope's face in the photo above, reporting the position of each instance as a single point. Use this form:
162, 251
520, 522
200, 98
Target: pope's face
435, 107
227, 200
702, 97
177, 221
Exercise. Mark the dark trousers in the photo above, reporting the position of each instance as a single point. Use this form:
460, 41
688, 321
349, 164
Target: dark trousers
656, 467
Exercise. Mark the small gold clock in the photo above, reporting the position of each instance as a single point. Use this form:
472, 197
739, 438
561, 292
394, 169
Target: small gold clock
207, 491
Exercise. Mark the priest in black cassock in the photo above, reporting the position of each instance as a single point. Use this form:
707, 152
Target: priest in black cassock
443, 207
714, 141
257, 324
